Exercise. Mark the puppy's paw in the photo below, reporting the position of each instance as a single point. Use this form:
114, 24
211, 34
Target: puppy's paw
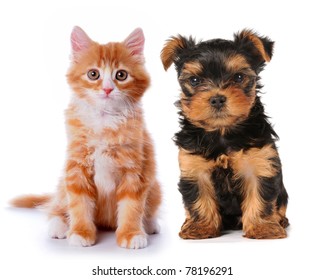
132, 241
79, 241
284, 222
267, 230
195, 230
57, 228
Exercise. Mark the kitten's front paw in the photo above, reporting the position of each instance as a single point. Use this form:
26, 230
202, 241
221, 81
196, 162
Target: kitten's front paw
132, 241
79, 241
136, 242
57, 228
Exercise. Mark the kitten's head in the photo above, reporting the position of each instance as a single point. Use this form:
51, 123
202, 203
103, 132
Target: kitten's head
112, 74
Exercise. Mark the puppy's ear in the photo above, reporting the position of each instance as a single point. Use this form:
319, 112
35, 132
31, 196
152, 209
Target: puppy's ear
260, 48
174, 48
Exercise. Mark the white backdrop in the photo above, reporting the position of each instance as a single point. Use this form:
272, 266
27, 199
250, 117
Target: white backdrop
34, 57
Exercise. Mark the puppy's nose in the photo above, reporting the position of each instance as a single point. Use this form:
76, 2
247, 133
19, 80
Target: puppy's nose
217, 101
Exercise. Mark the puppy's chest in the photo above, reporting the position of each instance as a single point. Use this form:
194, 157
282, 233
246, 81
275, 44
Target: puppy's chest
222, 175
207, 145
219, 170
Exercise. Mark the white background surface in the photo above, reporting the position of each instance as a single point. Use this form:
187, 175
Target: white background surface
34, 57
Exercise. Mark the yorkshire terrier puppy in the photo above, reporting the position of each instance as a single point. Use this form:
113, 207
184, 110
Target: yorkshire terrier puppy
231, 174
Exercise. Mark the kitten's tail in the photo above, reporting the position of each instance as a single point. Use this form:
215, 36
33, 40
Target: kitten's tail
31, 201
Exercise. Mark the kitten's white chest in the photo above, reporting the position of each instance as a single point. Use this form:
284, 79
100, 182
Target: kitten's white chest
104, 170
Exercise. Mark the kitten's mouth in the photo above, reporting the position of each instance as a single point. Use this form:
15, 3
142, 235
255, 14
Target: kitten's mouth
105, 112
104, 96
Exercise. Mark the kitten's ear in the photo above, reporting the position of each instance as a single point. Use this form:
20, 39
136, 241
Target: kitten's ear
259, 47
79, 42
135, 42
174, 48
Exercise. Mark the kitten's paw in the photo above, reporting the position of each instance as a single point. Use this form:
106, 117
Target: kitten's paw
57, 228
137, 241
152, 226
79, 241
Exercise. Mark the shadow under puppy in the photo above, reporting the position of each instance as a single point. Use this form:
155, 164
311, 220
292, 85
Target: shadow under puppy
230, 169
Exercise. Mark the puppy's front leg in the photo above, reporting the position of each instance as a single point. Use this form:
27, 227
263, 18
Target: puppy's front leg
203, 219
260, 172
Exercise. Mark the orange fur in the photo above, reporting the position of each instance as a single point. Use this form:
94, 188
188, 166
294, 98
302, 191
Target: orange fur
30, 201
109, 179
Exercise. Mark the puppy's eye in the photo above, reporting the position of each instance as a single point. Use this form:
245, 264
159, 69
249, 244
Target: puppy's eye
121, 75
238, 78
93, 74
194, 81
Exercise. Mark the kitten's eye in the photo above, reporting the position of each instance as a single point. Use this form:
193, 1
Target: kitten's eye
93, 74
194, 81
238, 78
121, 75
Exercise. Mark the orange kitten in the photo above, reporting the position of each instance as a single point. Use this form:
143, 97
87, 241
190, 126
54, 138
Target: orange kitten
109, 178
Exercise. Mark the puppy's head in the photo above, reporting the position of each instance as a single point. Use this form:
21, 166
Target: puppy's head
218, 77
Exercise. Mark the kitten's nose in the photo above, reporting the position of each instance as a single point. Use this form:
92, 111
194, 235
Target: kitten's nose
108, 90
